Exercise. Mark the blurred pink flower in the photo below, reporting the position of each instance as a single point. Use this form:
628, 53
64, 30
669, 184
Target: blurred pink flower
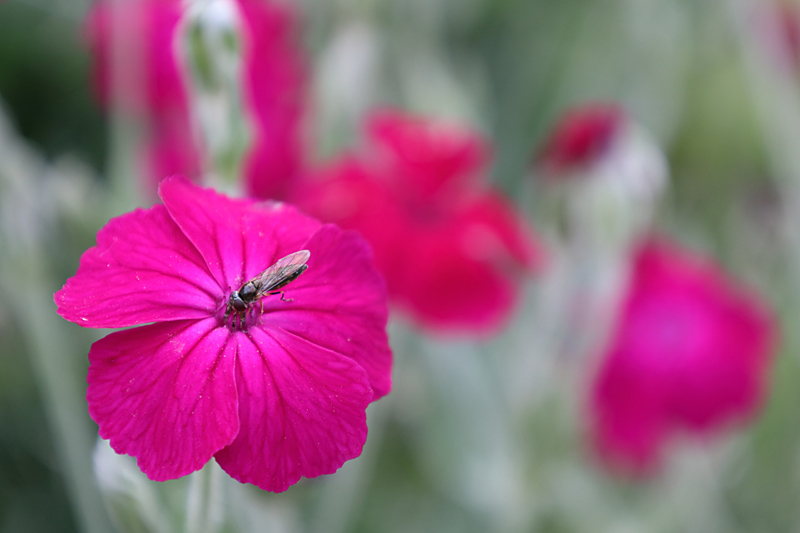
691, 352
453, 250
275, 85
789, 25
580, 137
151, 85
777, 25
280, 396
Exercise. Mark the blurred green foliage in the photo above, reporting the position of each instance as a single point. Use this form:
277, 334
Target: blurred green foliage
45, 82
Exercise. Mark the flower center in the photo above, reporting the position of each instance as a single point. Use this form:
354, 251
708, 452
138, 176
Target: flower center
238, 312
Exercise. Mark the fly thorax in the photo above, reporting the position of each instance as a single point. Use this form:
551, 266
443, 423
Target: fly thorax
248, 292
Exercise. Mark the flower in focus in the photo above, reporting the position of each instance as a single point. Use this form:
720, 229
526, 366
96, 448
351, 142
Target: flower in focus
690, 353
151, 85
279, 396
453, 250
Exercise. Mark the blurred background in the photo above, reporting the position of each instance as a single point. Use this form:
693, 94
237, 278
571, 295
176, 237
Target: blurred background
479, 434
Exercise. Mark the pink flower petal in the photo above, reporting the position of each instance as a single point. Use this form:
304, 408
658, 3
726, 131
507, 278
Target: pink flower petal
463, 273
170, 150
581, 136
151, 81
453, 251
166, 394
291, 227
237, 238
142, 270
451, 286
339, 304
301, 408
628, 434
213, 223
430, 159
514, 245
347, 194
275, 91
690, 353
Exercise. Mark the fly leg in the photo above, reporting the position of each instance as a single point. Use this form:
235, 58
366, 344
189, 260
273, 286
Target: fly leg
228, 315
282, 293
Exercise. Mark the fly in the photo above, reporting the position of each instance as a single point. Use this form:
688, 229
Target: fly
269, 282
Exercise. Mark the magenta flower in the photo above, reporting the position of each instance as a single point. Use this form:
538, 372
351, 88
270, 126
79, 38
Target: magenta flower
690, 353
582, 135
152, 86
282, 395
777, 25
275, 87
453, 250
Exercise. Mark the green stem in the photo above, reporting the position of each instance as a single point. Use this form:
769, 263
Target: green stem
204, 500
212, 49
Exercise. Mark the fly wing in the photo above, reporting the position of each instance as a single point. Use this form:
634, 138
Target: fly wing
283, 272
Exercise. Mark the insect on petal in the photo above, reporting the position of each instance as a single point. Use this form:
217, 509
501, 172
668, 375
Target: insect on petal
339, 304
